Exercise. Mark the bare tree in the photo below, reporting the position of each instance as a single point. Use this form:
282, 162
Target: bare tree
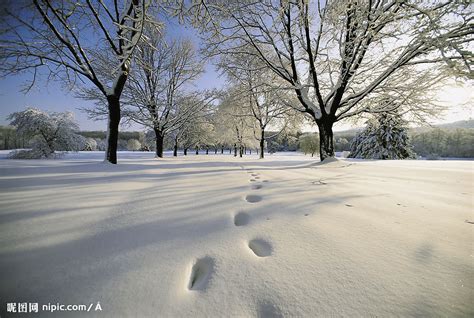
72, 41
258, 93
197, 132
224, 136
195, 125
237, 125
342, 58
158, 93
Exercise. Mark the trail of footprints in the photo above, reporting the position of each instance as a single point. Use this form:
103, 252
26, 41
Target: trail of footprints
203, 267
259, 247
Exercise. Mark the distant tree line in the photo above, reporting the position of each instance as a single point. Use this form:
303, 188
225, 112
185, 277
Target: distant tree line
308, 143
432, 143
10, 140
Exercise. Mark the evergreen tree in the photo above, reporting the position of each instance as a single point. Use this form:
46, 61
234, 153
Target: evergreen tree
385, 137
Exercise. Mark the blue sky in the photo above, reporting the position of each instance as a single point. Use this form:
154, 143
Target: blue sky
51, 95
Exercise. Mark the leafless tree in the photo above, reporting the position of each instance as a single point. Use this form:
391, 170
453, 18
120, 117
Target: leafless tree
72, 40
236, 124
257, 92
197, 131
159, 93
343, 57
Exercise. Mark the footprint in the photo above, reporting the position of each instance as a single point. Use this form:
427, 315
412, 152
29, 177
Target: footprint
254, 174
252, 180
260, 247
251, 198
256, 186
265, 181
201, 273
268, 310
241, 218
256, 178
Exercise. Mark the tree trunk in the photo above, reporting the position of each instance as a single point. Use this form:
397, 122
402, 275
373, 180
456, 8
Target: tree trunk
262, 143
235, 150
185, 151
112, 128
159, 136
222, 150
175, 149
197, 150
230, 150
215, 151
326, 138
207, 150
241, 150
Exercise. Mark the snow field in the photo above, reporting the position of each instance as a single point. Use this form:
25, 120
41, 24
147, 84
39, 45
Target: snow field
196, 237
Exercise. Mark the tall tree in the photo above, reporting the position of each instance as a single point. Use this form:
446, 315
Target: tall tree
158, 93
71, 40
259, 96
341, 57
194, 125
236, 121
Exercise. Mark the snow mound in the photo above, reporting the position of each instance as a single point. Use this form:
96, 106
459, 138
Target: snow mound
331, 162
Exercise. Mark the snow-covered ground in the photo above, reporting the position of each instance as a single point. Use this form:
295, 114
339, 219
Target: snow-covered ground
219, 236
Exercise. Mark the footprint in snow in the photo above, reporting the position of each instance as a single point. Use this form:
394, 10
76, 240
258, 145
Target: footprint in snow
269, 310
254, 174
201, 273
241, 218
252, 180
260, 247
252, 198
256, 186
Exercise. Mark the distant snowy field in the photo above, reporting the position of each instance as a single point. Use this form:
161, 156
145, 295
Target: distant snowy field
218, 236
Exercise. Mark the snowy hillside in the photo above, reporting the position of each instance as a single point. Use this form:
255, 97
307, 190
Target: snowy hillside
218, 236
